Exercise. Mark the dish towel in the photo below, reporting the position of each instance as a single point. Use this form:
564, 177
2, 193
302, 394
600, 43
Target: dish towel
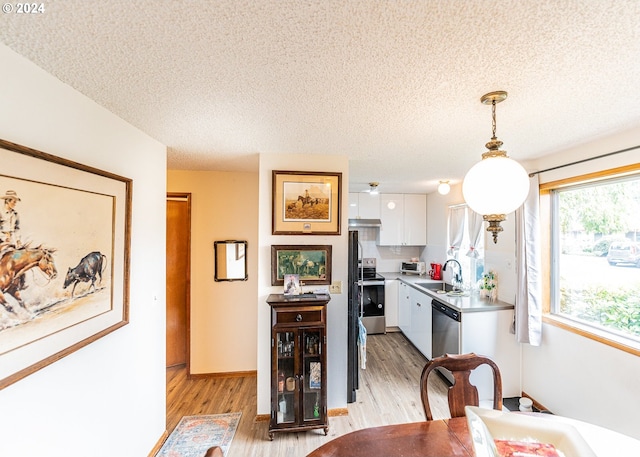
362, 342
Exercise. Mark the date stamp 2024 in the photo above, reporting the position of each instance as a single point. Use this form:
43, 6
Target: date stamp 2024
23, 8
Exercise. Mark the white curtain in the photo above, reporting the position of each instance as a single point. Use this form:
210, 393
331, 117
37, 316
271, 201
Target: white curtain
475, 233
456, 228
528, 308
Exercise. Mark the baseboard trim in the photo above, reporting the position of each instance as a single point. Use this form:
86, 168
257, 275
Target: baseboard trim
159, 444
335, 412
537, 405
338, 412
229, 374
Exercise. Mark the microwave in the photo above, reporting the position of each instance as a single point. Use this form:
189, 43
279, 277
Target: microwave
418, 268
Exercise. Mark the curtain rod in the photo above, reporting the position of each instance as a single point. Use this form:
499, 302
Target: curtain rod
584, 160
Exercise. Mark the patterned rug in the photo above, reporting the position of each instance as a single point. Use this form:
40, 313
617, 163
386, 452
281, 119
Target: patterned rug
195, 434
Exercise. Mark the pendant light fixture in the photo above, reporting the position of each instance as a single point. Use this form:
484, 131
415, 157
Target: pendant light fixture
497, 185
373, 188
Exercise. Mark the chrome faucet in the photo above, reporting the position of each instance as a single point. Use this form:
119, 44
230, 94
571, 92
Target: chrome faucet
457, 277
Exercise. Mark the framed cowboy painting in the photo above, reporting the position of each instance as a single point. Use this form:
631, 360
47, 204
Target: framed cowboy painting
306, 203
64, 257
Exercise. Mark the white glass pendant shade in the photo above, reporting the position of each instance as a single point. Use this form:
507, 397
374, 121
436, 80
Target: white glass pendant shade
444, 187
495, 185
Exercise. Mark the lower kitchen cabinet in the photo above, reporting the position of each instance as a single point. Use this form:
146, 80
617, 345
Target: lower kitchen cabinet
298, 364
391, 302
485, 332
404, 308
488, 333
421, 321
414, 317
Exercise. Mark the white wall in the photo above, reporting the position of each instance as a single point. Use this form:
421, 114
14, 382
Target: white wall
107, 398
572, 375
337, 307
224, 206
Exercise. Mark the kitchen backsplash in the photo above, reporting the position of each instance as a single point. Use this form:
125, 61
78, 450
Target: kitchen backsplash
388, 258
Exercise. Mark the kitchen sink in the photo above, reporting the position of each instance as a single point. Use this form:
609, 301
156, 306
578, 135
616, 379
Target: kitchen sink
457, 293
435, 286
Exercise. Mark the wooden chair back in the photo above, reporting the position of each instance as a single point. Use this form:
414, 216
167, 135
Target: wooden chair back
215, 451
462, 393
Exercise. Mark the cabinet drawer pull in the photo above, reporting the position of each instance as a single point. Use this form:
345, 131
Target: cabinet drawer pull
299, 318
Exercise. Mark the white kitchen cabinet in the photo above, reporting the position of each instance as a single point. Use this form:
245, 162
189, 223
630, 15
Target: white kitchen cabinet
363, 205
421, 321
488, 333
404, 308
414, 317
404, 220
391, 302
415, 219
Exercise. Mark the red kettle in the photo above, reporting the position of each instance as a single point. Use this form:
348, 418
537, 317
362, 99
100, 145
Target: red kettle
436, 271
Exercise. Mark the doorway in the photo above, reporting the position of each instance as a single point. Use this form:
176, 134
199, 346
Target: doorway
178, 278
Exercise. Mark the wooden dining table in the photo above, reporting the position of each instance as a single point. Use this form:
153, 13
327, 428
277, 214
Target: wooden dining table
434, 438
450, 437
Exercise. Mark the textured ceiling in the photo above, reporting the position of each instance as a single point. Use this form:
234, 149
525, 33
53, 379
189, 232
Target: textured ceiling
395, 85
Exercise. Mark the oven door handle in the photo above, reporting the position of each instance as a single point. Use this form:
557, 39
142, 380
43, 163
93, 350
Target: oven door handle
366, 283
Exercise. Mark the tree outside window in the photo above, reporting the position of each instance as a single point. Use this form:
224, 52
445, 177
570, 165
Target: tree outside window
596, 254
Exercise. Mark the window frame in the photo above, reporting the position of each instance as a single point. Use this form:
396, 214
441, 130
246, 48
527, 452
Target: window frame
547, 223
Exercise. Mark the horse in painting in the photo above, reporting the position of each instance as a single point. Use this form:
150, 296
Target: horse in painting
15, 262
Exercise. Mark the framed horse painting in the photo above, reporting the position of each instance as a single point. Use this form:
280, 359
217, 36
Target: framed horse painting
310, 264
306, 203
64, 257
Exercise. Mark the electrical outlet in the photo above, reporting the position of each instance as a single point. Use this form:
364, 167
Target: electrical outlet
335, 287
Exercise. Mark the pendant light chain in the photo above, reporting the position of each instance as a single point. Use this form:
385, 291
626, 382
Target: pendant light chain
497, 185
493, 118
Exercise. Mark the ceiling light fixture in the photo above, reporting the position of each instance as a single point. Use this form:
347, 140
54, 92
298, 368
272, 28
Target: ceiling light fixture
444, 187
373, 188
497, 185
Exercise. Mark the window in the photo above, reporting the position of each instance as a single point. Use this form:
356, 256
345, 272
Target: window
595, 254
461, 232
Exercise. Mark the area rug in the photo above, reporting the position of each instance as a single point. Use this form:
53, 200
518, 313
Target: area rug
195, 434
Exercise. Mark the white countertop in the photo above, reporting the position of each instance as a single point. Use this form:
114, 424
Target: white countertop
470, 303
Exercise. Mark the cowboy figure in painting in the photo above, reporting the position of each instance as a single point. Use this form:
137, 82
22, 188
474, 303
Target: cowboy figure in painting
9, 219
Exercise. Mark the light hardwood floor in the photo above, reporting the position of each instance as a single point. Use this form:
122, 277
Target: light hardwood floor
388, 394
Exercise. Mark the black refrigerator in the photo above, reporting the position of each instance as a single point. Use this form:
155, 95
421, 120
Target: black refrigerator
353, 317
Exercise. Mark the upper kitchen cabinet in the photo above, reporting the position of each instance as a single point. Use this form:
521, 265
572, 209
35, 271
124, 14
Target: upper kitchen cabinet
363, 205
404, 220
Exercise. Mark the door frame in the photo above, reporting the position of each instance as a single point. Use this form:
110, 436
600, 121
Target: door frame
186, 196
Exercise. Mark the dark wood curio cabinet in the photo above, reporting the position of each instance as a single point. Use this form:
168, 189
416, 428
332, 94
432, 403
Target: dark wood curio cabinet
298, 363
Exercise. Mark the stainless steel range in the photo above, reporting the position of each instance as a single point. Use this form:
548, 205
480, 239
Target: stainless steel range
371, 285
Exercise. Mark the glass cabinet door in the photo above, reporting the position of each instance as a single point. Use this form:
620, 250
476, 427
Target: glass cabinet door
313, 374
286, 352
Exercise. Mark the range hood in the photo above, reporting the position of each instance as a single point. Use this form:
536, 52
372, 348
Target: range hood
364, 223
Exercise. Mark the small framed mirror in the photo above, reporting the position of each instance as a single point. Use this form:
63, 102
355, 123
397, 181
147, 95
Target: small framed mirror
230, 260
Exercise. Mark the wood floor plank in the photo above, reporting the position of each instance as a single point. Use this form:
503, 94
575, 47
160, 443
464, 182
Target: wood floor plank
388, 394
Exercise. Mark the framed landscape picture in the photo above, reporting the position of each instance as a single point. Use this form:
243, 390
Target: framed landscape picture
306, 203
64, 257
311, 264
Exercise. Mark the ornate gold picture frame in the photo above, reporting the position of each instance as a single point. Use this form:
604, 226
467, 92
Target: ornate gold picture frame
306, 203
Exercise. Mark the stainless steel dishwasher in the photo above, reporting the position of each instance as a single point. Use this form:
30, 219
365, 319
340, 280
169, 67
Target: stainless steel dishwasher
445, 332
